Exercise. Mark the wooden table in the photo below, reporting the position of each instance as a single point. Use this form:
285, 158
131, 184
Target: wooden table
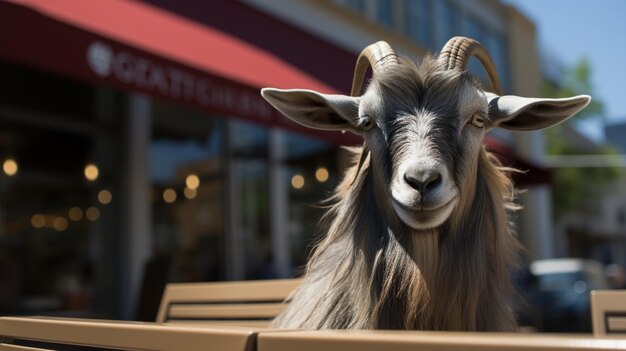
331, 340
43, 333
50, 333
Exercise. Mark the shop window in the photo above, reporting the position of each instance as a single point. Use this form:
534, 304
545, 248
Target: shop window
385, 12
447, 19
418, 21
475, 30
313, 173
57, 194
186, 171
357, 5
34, 90
498, 48
251, 198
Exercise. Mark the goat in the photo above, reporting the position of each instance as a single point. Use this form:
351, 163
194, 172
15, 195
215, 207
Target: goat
418, 230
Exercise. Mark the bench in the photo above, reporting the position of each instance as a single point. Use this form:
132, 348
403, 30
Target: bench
608, 312
243, 303
224, 315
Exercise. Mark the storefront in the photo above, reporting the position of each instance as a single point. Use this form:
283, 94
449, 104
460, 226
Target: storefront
145, 156
137, 150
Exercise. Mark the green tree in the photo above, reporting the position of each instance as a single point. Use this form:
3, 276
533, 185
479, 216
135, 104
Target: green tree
576, 80
574, 187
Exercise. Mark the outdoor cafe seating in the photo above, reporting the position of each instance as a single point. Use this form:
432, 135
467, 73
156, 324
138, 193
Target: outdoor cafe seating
236, 315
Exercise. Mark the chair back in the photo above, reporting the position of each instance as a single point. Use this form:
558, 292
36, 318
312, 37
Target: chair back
608, 312
242, 303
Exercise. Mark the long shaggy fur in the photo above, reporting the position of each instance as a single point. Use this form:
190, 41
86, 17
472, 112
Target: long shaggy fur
372, 272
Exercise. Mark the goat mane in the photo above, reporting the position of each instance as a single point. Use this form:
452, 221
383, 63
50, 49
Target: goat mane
370, 273
418, 232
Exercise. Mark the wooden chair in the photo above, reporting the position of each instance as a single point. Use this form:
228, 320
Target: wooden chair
230, 313
242, 303
608, 312
234, 303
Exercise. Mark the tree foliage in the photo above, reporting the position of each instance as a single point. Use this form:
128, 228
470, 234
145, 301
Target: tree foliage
577, 188
576, 80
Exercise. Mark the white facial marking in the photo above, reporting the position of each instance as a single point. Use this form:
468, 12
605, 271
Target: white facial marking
426, 219
417, 210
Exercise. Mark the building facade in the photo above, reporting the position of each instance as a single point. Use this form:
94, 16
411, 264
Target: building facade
136, 150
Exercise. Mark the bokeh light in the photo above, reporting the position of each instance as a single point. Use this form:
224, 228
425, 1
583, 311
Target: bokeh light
190, 193
92, 213
38, 221
192, 181
60, 224
297, 181
91, 172
169, 195
9, 166
104, 196
321, 174
75, 214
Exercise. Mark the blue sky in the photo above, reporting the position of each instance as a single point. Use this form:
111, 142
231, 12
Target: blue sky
573, 29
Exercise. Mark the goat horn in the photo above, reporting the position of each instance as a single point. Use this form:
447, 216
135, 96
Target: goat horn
377, 55
456, 54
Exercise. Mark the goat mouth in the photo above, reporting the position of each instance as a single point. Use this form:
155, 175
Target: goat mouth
424, 218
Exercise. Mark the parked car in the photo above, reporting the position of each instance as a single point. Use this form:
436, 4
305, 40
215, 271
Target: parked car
564, 288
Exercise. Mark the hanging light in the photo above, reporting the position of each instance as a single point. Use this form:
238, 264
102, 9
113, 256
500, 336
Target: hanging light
192, 181
169, 195
92, 213
91, 172
321, 174
190, 193
104, 196
38, 220
297, 181
75, 214
60, 224
9, 166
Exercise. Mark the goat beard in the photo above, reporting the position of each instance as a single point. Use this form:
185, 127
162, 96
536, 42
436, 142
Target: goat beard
425, 251
410, 265
421, 246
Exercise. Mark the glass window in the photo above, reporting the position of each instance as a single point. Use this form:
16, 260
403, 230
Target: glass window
357, 5
51, 209
447, 21
418, 21
498, 48
384, 12
475, 30
251, 197
186, 170
313, 173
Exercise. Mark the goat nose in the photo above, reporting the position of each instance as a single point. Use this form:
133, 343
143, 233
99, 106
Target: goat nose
423, 180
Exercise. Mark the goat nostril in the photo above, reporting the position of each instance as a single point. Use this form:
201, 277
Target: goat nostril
414, 183
424, 181
433, 181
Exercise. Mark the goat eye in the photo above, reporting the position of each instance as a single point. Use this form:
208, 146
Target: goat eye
367, 123
478, 120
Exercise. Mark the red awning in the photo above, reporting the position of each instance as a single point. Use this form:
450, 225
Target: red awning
138, 47
529, 175
134, 46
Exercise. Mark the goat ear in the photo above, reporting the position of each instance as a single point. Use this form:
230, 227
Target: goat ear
315, 110
525, 114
